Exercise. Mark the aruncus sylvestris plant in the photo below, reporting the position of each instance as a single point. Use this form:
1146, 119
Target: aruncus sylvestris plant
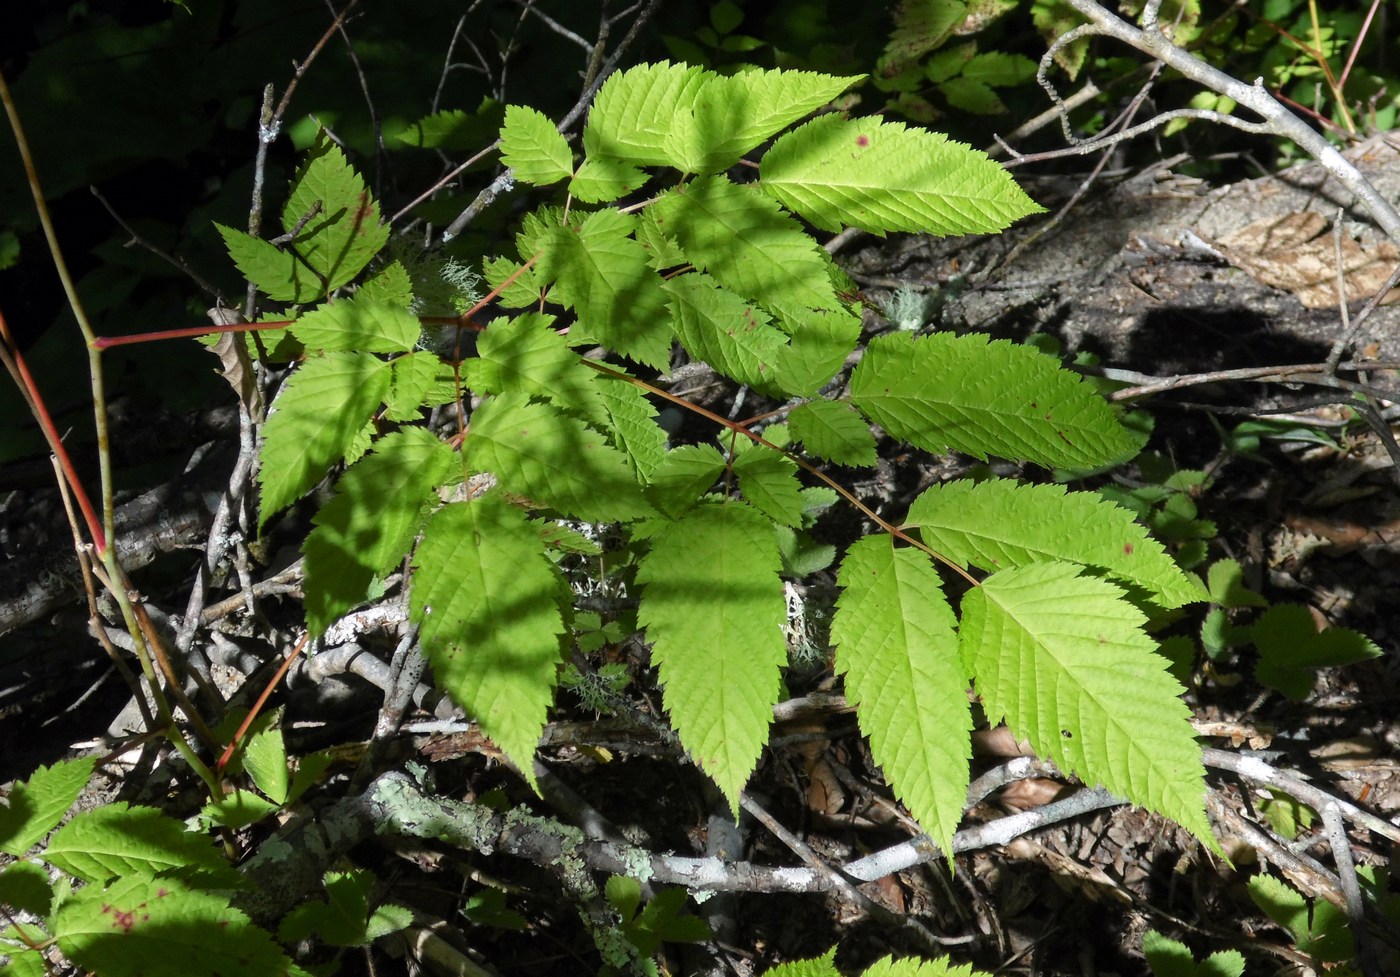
1050, 632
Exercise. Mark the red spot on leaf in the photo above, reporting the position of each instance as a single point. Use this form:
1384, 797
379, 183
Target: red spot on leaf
1127, 549
862, 140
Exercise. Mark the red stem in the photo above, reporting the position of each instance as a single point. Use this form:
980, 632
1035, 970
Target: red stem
106, 342
41, 414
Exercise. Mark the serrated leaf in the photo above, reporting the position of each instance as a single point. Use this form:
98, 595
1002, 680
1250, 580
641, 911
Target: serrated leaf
999, 69
714, 572
265, 758
1291, 649
537, 452
116, 840
695, 120
882, 176
834, 432
343, 918
37, 804
1168, 958
486, 600
315, 420
724, 330
662, 250
275, 272
631, 425
820, 343
344, 233
769, 481
368, 527
516, 289
238, 809
747, 243
525, 353
533, 148
601, 180
357, 324
22, 962
390, 285
1001, 523
896, 645
603, 275
972, 95
144, 927
914, 967
982, 398
684, 475
417, 380
919, 27
1225, 582
1065, 660
455, 130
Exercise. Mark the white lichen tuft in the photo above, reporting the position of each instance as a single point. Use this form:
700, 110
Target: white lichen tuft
908, 309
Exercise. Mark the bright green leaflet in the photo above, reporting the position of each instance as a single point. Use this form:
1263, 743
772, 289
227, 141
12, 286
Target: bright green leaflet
533, 148
881, 176
835, 432
315, 420
713, 606
369, 526
1064, 659
999, 523
358, 325
721, 328
981, 398
536, 451
36, 805
526, 353
144, 927
747, 243
486, 601
897, 646
114, 841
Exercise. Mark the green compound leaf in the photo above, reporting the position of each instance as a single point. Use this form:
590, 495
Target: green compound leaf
368, 527
358, 325
713, 606
1000, 523
603, 274
486, 600
698, 121
144, 927
537, 452
533, 148
1065, 660
769, 481
881, 176
315, 421
835, 432
115, 840
418, 380
684, 475
344, 231
724, 330
962, 392
525, 353
896, 644
747, 243
631, 425
36, 805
